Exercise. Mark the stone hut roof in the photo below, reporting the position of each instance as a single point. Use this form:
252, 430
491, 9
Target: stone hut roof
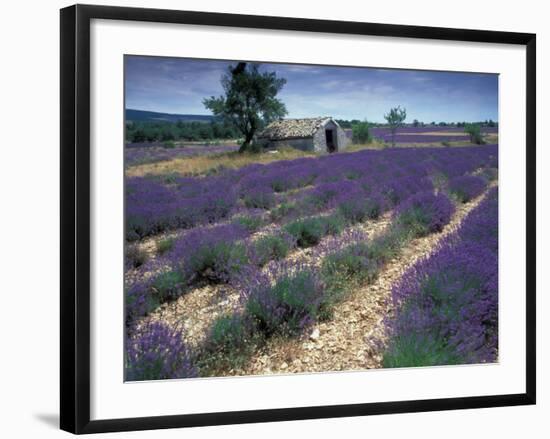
293, 128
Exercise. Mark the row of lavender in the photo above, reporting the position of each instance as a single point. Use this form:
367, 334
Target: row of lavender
285, 298
428, 135
448, 303
154, 206
382, 131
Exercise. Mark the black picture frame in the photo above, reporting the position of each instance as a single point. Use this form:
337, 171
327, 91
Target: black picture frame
75, 217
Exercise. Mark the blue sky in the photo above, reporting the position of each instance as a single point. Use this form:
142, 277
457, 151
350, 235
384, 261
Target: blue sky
178, 85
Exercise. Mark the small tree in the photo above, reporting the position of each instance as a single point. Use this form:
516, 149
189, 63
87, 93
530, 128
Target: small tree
474, 131
360, 132
249, 102
395, 119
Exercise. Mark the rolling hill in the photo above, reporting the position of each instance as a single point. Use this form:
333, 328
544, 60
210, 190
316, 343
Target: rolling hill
152, 116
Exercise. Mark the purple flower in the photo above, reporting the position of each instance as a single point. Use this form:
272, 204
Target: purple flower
424, 213
214, 254
447, 304
154, 351
283, 300
466, 187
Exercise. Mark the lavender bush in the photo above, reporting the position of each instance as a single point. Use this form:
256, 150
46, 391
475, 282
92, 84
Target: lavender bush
466, 187
271, 247
309, 231
229, 343
284, 300
138, 301
424, 213
212, 254
355, 206
261, 197
346, 268
447, 303
156, 352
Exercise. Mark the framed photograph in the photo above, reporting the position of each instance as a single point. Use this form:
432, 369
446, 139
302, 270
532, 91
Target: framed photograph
268, 218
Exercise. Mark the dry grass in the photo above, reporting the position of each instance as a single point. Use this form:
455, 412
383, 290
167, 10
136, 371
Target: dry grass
212, 163
373, 144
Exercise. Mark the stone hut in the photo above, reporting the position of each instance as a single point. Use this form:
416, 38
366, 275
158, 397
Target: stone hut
320, 134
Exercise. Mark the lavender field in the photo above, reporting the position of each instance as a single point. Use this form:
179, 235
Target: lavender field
357, 260
430, 135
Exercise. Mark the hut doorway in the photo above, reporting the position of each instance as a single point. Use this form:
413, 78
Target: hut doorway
331, 144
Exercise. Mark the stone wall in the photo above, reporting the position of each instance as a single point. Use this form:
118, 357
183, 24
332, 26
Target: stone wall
319, 140
302, 144
339, 135
343, 140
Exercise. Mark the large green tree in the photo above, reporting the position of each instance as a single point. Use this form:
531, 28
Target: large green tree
250, 99
395, 118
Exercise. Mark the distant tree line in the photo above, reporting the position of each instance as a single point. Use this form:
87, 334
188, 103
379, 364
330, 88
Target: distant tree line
163, 131
349, 124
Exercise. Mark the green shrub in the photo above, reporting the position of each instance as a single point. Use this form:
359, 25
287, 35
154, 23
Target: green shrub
334, 224
387, 246
230, 342
259, 199
270, 248
250, 223
360, 132
474, 131
349, 267
289, 305
356, 209
168, 285
165, 245
229, 333
309, 231
415, 220
417, 349
217, 262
